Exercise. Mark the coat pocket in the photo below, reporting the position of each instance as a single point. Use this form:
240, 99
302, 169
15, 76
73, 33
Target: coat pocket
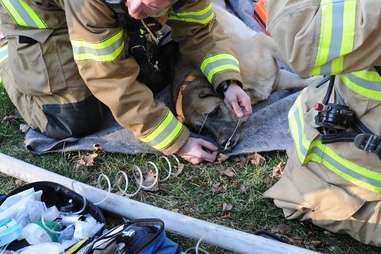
332, 204
35, 66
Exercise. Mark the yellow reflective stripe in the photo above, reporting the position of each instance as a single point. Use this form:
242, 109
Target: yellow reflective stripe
215, 64
371, 76
99, 45
349, 26
325, 35
158, 129
322, 154
296, 123
362, 90
364, 183
12, 11
170, 138
337, 33
39, 22
107, 50
164, 133
23, 14
222, 68
201, 12
203, 16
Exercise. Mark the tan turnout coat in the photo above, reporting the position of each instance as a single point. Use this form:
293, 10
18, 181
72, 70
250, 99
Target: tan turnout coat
76, 48
337, 186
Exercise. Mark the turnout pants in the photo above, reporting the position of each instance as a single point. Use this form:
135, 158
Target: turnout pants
336, 186
43, 82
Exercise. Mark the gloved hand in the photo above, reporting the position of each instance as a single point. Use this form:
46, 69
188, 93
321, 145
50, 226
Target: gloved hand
238, 101
197, 150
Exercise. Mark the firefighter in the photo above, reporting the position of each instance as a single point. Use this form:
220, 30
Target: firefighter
69, 58
333, 174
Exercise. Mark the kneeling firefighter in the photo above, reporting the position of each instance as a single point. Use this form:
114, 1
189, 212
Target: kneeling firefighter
67, 59
333, 174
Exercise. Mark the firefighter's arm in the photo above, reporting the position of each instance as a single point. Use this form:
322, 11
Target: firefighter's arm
203, 42
327, 37
100, 53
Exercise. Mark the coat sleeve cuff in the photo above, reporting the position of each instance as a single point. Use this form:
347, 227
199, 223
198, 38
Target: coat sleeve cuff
179, 142
168, 135
231, 75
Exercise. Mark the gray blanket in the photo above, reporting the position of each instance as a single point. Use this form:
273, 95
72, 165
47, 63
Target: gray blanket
266, 130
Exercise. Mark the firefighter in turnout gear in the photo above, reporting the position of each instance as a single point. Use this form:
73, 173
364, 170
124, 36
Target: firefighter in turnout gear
333, 174
67, 59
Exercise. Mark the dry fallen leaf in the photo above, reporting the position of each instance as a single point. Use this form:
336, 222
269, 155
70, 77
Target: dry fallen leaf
268, 181
19, 182
222, 158
229, 172
24, 128
218, 188
10, 119
180, 169
227, 215
88, 159
150, 182
242, 161
256, 159
243, 189
312, 244
98, 148
278, 170
227, 207
282, 229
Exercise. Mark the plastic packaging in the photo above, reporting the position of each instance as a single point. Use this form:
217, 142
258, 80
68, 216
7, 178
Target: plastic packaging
9, 231
51, 214
46, 248
35, 233
10, 201
72, 219
18, 204
87, 228
66, 234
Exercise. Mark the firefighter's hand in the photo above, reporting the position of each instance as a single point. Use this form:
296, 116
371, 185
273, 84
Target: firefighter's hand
238, 101
197, 150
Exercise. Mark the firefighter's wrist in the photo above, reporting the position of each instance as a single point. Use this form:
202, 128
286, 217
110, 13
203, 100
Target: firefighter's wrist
224, 86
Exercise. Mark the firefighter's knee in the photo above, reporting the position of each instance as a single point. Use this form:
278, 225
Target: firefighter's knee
73, 119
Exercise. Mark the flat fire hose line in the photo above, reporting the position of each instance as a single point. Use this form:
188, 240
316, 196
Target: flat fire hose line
213, 234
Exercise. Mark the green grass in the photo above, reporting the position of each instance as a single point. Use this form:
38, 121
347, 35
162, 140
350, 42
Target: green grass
191, 193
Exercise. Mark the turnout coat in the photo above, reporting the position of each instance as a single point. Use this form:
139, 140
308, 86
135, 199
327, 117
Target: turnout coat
63, 53
337, 186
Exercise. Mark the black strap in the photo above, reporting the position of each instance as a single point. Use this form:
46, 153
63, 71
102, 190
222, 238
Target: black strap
338, 137
369, 143
329, 90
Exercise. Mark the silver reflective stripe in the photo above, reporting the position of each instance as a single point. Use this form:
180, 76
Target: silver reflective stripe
78, 50
24, 14
298, 121
345, 170
337, 35
376, 86
165, 133
209, 67
195, 17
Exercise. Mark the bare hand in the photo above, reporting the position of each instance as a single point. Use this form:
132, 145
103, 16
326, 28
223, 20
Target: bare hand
238, 101
197, 150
